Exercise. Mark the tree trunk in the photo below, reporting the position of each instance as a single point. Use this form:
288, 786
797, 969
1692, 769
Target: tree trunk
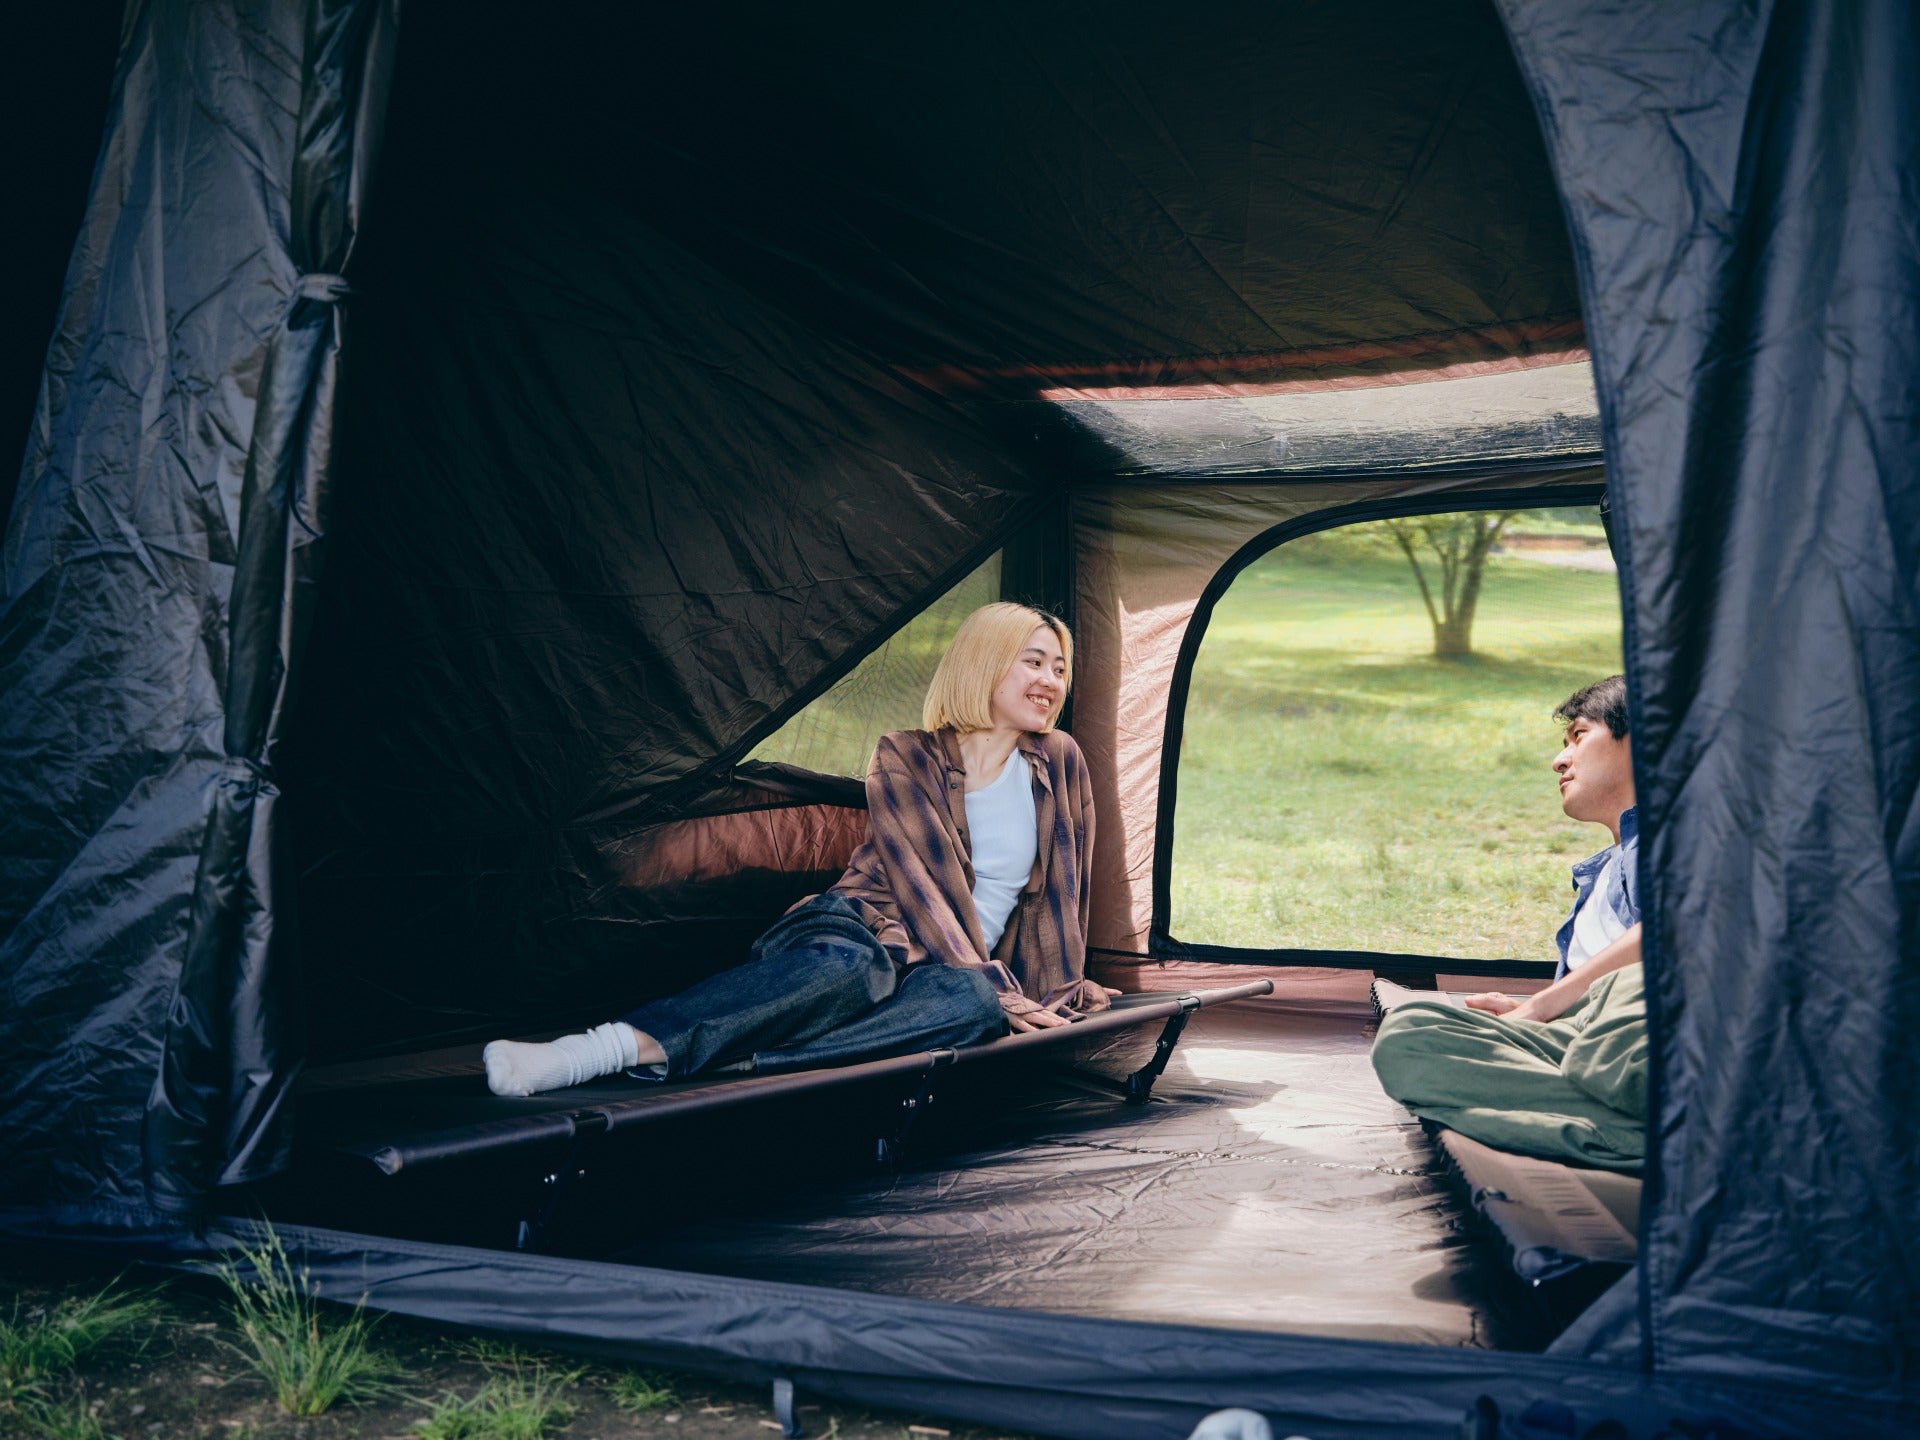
1453, 636
1461, 549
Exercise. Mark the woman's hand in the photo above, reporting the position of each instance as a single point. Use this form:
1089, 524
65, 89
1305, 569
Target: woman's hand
1078, 997
1024, 1014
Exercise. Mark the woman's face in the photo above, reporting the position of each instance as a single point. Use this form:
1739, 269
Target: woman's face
1030, 692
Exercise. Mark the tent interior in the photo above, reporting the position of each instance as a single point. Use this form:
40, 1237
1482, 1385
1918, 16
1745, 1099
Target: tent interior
699, 368
705, 369
719, 348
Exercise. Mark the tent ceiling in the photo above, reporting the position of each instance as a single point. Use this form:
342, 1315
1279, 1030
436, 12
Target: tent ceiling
1012, 198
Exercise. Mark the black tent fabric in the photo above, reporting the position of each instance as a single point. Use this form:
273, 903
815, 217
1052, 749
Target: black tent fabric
225, 1069
156, 573
55, 70
1753, 301
692, 353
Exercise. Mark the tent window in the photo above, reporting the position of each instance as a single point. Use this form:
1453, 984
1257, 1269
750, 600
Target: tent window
1367, 769
835, 735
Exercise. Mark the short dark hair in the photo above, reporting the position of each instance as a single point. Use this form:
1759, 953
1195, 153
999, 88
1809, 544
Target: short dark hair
1604, 701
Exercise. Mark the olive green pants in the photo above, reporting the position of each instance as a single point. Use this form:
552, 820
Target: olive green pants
1572, 1089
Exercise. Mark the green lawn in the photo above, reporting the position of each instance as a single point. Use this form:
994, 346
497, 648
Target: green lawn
1341, 788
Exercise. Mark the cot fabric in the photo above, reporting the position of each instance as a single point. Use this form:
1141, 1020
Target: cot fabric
911, 881
1572, 1089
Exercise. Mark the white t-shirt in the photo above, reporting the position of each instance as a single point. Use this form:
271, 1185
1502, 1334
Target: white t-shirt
1596, 926
1004, 829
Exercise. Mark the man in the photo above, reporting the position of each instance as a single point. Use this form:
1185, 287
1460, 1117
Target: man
1562, 1073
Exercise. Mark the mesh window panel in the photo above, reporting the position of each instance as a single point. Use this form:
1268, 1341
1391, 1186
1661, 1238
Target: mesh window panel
835, 735
1359, 773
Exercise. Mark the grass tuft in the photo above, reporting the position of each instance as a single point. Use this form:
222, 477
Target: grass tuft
40, 1347
638, 1391
310, 1366
41, 1344
487, 1350
48, 1419
525, 1405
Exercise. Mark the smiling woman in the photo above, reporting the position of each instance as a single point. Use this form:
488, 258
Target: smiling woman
961, 916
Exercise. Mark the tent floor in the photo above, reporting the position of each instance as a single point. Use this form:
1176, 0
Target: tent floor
1268, 1185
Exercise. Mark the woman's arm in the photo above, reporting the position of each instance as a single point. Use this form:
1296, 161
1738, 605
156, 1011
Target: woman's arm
1554, 1001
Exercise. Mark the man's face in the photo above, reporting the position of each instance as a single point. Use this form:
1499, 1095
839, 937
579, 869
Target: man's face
1596, 773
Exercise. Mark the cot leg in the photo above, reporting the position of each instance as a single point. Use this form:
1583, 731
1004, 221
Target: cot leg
559, 1185
889, 1148
1140, 1083
784, 1410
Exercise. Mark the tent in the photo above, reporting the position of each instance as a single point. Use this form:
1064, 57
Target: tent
468, 434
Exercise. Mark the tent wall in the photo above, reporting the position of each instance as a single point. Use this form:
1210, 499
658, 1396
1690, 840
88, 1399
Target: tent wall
557, 622
1752, 294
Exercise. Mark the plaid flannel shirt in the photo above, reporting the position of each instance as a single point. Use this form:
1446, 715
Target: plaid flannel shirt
912, 878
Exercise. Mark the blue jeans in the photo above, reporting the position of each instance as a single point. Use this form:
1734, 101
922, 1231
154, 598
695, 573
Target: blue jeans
819, 990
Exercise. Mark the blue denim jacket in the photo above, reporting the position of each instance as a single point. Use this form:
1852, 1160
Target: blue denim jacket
1622, 895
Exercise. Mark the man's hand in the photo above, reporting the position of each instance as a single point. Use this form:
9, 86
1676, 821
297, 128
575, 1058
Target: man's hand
1559, 997
1546, 1005
1530, 1007
1493, 1002
1024, 1014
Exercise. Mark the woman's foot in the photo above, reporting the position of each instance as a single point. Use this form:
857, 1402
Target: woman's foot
519, 1068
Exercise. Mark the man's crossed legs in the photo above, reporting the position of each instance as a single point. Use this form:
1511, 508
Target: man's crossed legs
1572, 1088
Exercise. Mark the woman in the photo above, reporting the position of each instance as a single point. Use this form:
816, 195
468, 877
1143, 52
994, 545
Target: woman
963, 914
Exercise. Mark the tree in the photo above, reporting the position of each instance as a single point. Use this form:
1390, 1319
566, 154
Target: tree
1459, 545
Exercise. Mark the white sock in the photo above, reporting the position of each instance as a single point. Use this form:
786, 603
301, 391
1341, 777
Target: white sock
517, 1068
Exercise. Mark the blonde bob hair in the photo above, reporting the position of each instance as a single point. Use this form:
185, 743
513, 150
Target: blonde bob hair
984, 649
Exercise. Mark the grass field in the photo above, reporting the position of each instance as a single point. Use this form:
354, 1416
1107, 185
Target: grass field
1341, 788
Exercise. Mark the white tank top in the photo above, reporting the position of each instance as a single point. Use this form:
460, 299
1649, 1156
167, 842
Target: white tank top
1004, 828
